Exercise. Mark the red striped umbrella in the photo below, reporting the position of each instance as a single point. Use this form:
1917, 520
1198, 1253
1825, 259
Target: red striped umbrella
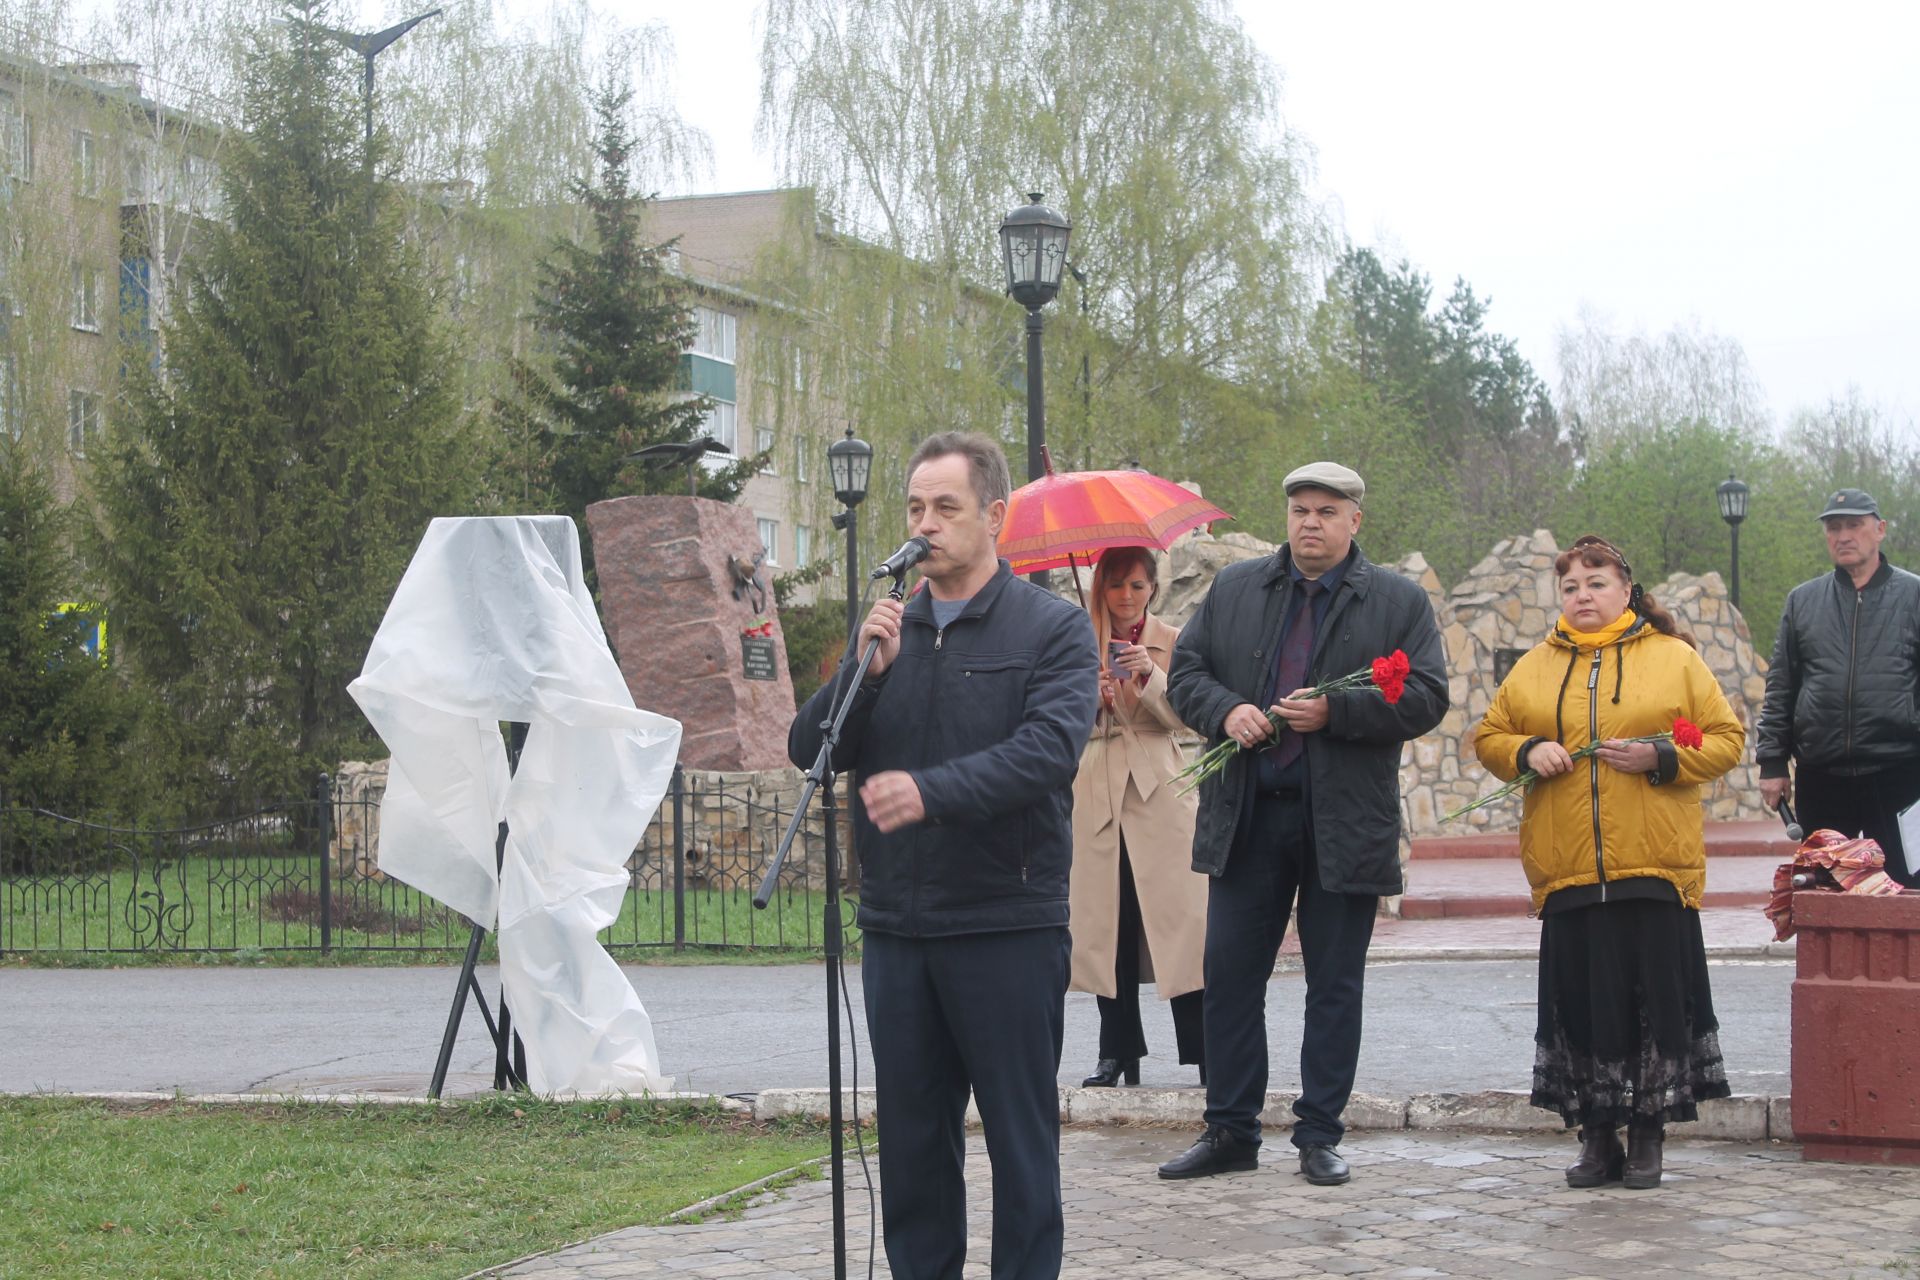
1058, 520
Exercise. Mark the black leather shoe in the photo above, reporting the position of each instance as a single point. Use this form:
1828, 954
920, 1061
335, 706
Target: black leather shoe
1217, 1152
1108, 1072
1323, 1167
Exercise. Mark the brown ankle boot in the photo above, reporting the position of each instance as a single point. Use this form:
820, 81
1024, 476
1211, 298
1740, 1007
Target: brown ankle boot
1601, 1157
1644, 1141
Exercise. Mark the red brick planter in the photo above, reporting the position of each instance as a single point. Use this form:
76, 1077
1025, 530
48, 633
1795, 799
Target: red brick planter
1856, 1028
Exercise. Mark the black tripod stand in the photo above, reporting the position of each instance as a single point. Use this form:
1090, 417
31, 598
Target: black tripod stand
509, 1068
820, 778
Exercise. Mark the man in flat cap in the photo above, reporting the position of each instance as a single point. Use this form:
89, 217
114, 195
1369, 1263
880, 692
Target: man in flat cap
1843, 688
1305, 820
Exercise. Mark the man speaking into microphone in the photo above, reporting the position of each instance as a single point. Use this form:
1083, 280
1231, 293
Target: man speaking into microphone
964, 739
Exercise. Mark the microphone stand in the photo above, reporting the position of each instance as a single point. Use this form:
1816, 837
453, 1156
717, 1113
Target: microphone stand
819, 776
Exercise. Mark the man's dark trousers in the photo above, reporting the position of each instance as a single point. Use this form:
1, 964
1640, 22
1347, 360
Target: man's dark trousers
1866, 804
979, 1010
1271, 867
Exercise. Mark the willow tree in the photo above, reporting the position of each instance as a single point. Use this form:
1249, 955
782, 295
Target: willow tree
261, 501
1195, 251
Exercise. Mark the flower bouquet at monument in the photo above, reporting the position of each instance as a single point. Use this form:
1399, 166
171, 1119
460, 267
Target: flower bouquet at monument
1685, 733
1388, 675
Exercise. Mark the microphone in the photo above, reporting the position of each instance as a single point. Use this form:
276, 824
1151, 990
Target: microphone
1792, 820
911, 553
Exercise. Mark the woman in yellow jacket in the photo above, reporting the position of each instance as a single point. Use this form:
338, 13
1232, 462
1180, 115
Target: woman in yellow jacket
1613, 847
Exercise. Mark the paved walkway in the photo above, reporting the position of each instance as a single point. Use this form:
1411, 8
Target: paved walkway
1419, 1205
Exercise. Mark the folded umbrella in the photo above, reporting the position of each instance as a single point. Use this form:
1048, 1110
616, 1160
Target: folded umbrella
1830, 861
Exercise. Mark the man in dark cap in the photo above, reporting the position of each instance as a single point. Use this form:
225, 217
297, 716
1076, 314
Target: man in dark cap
1305, 820
1842, 691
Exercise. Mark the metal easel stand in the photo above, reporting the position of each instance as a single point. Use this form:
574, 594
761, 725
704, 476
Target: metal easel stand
509, 1054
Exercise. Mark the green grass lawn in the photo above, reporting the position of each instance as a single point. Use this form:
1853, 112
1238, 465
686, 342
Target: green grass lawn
93, 1192
272, 904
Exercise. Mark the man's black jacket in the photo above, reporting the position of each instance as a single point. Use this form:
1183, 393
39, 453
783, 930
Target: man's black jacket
989, 716
1841, 693
1223, 658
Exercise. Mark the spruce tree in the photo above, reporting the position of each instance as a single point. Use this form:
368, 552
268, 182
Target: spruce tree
615, 322
62, 716
266, 489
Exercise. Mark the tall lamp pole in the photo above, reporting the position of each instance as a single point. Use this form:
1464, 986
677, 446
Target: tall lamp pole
850, 466
1033, 240
1733, 509
369, 47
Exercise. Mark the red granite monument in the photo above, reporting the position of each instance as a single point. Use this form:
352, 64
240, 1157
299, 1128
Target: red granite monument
688, 607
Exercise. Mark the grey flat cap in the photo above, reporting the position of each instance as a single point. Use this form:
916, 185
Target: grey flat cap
1850, 502
1330, 476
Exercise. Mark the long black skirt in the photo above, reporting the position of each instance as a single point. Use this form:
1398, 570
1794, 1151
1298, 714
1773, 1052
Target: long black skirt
1626, 1028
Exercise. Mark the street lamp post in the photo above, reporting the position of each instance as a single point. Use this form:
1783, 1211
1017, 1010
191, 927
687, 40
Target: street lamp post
850, 465
1033, 240
1733, 509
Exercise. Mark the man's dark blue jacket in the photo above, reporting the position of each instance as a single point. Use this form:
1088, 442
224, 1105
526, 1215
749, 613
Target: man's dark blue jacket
989, 716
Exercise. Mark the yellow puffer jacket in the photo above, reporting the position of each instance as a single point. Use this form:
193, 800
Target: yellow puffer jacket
1594, 822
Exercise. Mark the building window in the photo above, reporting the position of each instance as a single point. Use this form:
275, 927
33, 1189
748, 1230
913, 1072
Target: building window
9, 262
722, 423
801, 472
86, 299
16, 135
802, 546
86, 173
763, 443
83, 420
713, 335
770, 538
13, 418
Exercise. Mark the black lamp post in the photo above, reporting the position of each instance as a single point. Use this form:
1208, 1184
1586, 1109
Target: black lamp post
1733, 509
369, 47
850, 465
1033, 239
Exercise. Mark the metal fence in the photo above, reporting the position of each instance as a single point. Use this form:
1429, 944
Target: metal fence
300, 875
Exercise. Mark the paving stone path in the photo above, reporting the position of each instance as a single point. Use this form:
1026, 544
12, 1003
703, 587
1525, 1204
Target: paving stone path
1420, 1204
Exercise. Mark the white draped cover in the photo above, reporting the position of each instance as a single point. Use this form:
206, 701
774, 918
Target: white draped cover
493, 622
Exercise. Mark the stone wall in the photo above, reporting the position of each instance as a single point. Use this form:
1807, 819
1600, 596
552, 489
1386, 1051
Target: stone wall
357, 789
1507, 601
730, 824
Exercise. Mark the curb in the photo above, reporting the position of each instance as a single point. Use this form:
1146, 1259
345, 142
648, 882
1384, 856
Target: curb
726, 1102
1741, 1118
1744, 1117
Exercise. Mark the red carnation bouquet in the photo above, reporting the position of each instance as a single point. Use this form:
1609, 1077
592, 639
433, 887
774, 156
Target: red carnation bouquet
1388, 675
1685, 733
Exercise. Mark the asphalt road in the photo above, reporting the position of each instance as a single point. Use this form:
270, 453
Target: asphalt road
1431, 1026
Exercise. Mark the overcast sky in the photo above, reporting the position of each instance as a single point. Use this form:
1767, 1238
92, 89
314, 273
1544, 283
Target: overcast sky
1747, 168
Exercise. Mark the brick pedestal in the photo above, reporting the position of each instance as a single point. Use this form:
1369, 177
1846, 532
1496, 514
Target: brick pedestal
1856, 1028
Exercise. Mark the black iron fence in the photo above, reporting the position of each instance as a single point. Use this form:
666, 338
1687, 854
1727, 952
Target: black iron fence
302, 875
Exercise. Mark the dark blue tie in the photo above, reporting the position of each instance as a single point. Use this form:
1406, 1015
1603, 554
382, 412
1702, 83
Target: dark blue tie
1296, 653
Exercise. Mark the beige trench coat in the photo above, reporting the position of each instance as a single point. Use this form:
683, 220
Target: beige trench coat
1123, 787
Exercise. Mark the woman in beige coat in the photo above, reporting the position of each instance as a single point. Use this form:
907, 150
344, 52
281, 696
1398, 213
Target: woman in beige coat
1139, 910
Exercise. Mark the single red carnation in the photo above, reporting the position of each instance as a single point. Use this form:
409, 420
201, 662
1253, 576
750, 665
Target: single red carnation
1401, 666
1392, 688
1686, 733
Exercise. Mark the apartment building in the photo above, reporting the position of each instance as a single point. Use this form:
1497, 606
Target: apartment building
747, 360
101, 193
